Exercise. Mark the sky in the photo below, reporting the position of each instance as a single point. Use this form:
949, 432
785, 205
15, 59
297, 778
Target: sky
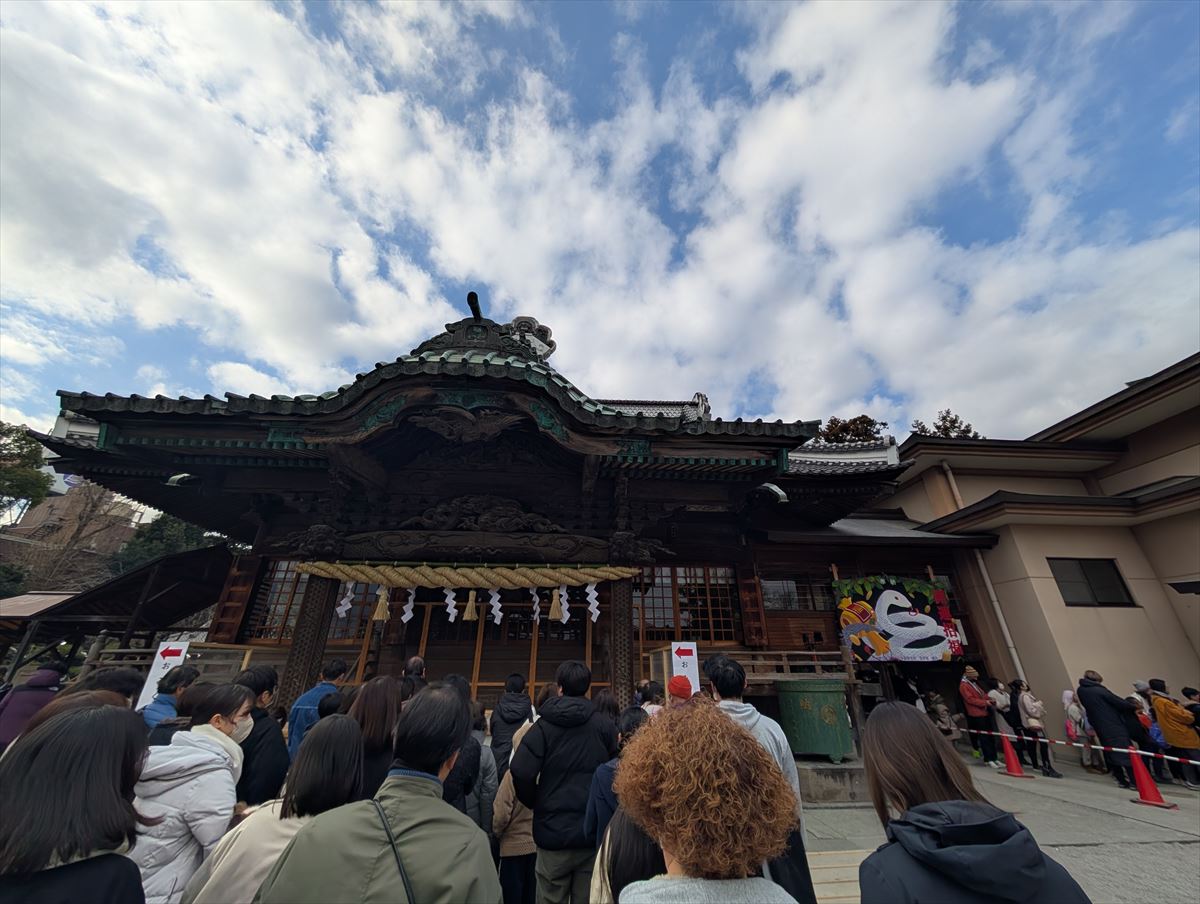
801, 211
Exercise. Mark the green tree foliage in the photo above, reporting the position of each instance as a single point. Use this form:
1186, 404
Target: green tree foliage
12, 580
161, 537
21, 477
861, 429
949, 425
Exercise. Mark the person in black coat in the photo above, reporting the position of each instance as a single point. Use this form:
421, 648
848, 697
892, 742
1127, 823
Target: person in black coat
68, 809
265, 755
552, 775
946, 843
1110, 716
512, 711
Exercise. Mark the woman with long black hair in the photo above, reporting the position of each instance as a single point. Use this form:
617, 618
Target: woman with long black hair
946, 843
327, 773
68, 815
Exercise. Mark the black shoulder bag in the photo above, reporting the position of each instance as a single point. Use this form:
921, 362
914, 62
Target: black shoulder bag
387, 827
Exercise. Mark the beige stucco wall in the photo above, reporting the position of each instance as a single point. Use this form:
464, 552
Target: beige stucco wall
1168, 449
1057, 643
1172, 547
974, 487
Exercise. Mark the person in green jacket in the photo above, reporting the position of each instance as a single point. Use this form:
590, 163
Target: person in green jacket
407, 845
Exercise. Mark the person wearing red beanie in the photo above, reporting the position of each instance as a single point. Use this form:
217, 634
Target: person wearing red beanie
679, 690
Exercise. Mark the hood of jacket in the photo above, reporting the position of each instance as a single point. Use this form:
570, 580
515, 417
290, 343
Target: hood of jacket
1088, 682
974, 845
514, 708
743, 713
44, 678
187, 756
567, 712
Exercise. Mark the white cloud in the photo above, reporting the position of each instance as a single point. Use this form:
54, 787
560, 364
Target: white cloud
297, 202
1184, 122
242, 379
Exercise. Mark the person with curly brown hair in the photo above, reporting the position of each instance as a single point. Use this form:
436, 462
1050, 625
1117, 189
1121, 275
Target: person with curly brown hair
713, 799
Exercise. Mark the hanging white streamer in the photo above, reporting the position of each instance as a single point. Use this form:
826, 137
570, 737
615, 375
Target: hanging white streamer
537, 605
494, 602
593, 601
451, 608
566, 605
346, 602
408, 607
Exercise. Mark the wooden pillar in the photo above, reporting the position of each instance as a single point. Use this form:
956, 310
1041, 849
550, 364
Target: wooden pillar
308, 638
93, 656
621, 607
151, 580
21, 651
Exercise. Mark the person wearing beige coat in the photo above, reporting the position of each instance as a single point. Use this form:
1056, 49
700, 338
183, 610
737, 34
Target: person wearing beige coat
512, 824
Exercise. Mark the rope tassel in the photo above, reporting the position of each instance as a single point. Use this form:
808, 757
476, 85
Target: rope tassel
470, 613
381, 607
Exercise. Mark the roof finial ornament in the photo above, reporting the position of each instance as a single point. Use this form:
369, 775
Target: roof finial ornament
473, 304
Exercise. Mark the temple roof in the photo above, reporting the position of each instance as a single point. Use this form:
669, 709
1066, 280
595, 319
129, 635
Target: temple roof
453, 354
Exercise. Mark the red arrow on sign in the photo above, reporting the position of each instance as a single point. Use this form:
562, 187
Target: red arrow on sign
168, 652
685, 651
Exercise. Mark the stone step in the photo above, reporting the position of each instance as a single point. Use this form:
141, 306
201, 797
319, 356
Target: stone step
835, 875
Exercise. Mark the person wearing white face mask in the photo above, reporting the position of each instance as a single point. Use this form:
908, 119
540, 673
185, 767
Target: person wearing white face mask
190, 784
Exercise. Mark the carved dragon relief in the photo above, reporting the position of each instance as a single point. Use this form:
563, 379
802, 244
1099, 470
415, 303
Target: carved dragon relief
482, 513
463, 425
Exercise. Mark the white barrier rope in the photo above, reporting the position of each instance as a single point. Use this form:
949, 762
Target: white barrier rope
1040, 738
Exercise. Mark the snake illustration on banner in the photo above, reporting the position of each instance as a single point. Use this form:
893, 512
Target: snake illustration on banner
895, 619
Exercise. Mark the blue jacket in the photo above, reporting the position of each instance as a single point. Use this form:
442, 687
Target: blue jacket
602, 802
161, 708
304, 714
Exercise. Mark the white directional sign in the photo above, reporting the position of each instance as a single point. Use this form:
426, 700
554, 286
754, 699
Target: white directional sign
685, 661
168, 655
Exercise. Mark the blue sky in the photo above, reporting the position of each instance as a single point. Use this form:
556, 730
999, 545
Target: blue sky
802, 211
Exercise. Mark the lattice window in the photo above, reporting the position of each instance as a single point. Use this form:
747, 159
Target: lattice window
279, 602
695, 602
802, 593
362, 607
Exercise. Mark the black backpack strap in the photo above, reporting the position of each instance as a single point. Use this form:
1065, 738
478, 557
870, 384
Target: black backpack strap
410, 898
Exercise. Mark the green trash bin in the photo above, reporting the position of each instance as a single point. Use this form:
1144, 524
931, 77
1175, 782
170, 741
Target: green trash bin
813, 715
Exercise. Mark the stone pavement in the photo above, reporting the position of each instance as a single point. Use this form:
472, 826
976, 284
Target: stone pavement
1119, 852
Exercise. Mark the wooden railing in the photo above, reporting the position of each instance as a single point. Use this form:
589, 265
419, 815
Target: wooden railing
217, 662
762, 666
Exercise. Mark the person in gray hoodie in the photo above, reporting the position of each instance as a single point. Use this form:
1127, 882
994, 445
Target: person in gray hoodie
727, 680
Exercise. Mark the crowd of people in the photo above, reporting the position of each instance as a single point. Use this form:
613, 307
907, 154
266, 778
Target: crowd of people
1149, 720
401, 790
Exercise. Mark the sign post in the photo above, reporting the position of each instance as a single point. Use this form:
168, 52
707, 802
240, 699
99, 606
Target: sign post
685, 660
168, 655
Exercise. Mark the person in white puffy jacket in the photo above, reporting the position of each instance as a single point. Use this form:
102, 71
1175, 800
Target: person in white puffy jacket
191, 784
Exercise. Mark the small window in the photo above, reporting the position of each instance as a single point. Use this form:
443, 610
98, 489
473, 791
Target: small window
1090, 582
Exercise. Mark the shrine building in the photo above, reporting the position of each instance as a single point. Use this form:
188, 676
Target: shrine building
467, 503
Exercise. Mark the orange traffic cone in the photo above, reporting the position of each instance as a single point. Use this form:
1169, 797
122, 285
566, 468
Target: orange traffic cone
1012, 763
1148, 792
